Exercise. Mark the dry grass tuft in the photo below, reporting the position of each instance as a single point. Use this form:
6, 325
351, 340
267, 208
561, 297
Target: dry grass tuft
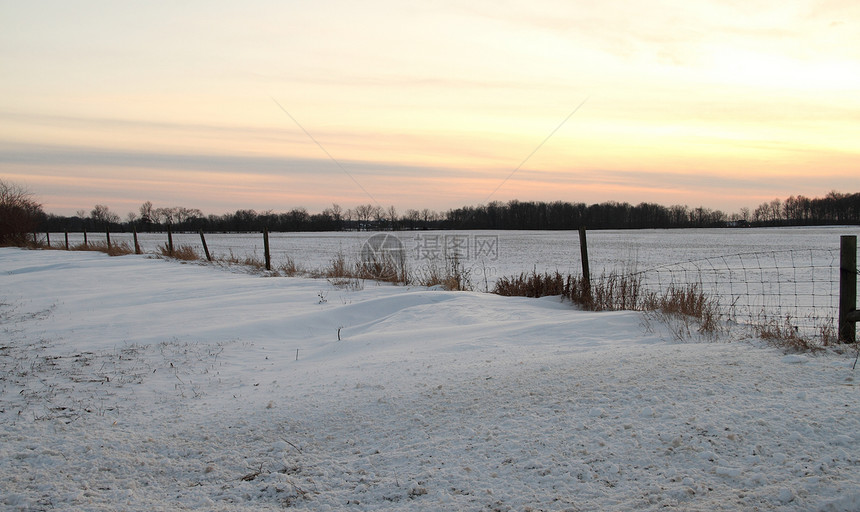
531, 285
452, 276
115, 249
183, 252
610, 292
785, 335
289, 268
338, 268
387, 268
689, 302
248, 261
619, 292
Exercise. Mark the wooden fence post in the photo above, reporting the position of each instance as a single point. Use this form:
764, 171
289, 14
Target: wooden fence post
85, 239
169, 240
266, 248
205, 247
67, 239
136, 244
107, 236
583, 249
848, 314
48, 239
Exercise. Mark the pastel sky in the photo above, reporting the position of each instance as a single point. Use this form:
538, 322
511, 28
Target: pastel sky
274, 105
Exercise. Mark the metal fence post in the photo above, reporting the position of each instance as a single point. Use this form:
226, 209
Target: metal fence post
848, 314
583, 249
205, 247
136, 244
169, 240
266, 248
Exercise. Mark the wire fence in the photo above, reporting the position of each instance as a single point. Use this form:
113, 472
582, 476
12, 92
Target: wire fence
793, 287
799, 288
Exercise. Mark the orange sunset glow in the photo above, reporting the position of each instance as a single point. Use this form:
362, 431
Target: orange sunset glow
276, 105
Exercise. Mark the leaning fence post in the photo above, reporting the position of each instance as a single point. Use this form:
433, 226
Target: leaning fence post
266, 248
205, 247
169, 241
48, 239
136, 244
583, 249
848, 314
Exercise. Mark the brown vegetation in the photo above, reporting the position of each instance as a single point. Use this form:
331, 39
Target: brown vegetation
114, 249
289, 268
786, 336
248, 261
616, 292
451, 275
183, 252
385, 268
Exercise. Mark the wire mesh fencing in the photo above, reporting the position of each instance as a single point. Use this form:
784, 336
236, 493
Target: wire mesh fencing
793, 288
797, 288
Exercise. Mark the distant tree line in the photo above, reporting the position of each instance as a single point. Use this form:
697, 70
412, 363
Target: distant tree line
364, 217
834, 208
563, 215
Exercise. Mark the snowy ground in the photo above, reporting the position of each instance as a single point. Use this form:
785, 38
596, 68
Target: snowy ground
133, 383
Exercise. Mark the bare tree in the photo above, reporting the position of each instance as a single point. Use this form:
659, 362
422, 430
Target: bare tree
761, 214
336, 212
378, 215
297, 217
146, 213
412, 217
776, 209
363, 212
19, 213
392, 216
166, 215
186, 214
101, 213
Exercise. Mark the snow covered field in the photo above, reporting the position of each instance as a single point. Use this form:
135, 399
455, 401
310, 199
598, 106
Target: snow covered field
133, 383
